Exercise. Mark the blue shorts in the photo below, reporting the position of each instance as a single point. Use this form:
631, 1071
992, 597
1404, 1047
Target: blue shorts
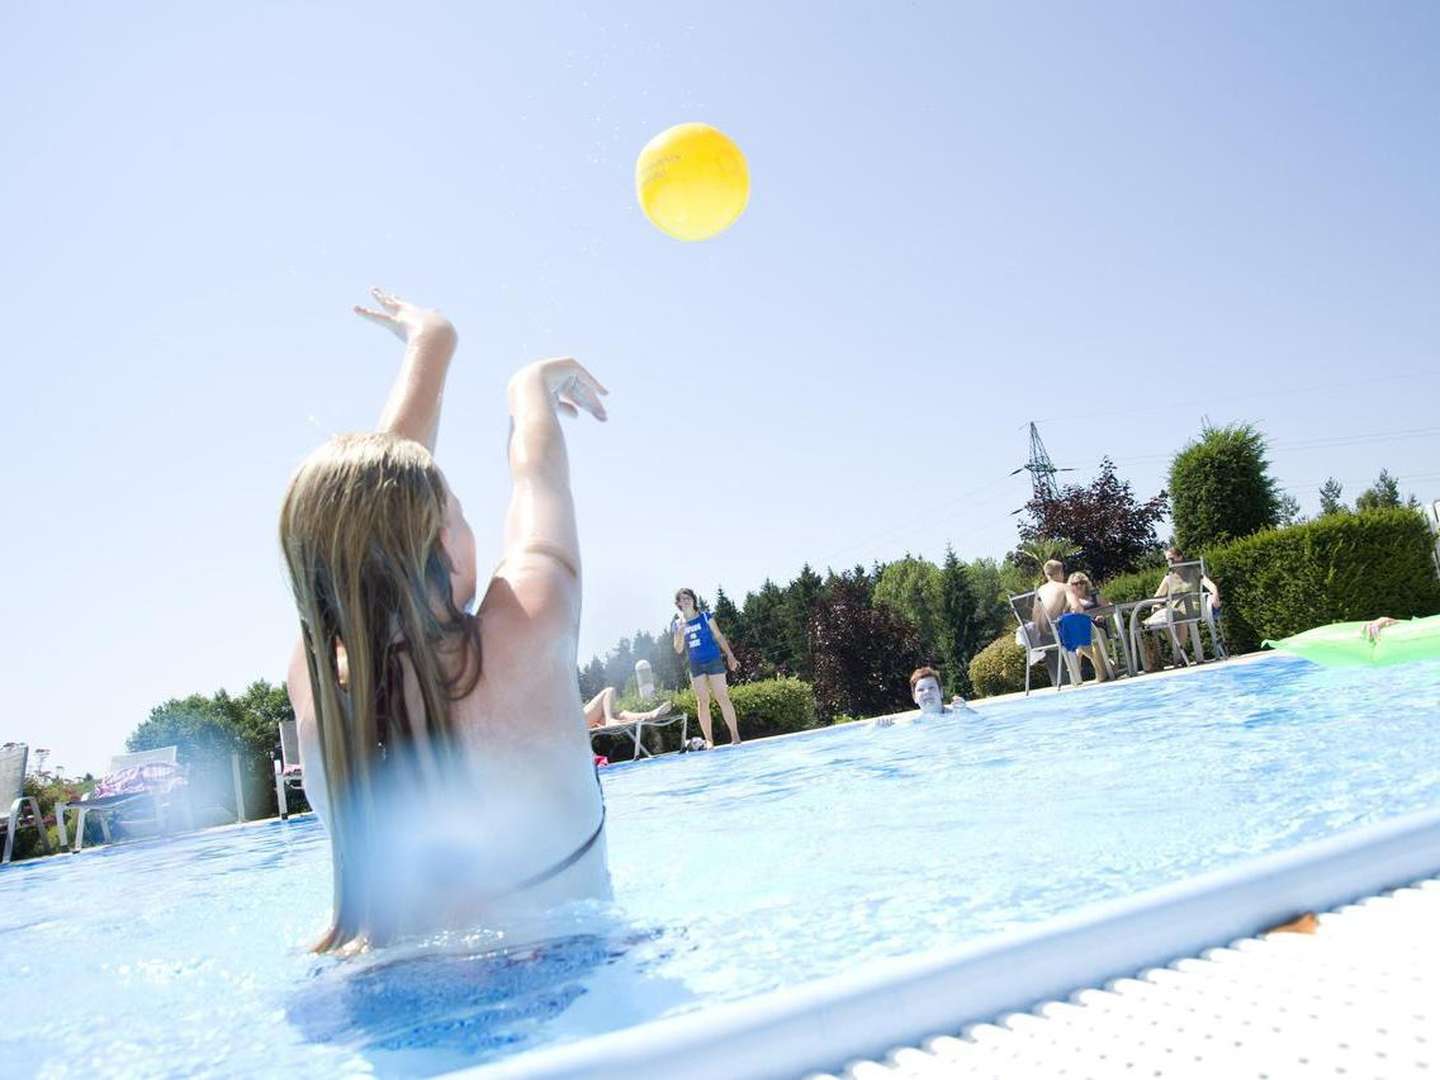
707, 667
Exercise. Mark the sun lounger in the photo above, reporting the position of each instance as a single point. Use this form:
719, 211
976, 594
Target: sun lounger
149, 777
636, 730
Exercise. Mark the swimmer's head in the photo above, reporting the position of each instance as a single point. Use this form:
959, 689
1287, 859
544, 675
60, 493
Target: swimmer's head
686, 601
1055, 570
381, 563
925, 689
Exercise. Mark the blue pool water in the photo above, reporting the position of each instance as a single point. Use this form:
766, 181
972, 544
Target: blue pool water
735, 872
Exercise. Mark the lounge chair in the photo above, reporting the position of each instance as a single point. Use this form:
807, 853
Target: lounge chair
288, 775
163, 795
1037, 637
636, 730
17, 810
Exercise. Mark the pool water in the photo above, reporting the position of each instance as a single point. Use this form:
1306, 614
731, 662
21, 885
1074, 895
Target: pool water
735, 872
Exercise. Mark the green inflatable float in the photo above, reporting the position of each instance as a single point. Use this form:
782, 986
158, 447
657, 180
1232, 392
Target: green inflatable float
1345, 644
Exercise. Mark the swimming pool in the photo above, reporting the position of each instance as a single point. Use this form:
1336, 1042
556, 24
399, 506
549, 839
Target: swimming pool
735, 873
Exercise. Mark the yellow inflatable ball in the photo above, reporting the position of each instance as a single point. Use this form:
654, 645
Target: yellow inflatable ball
692, 181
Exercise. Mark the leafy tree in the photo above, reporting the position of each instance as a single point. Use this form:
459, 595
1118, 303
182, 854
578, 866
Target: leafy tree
801, 596
1222, 488
1032, 556
1110, 529
912, 587
207, 730
1330, 501
959, 627
1289, 509
863, 654
620, 665
992, 609
592, 678
729, 617
764, 618
1384, 494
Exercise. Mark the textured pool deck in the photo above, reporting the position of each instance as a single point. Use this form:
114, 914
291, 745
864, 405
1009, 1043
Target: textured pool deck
1358, 997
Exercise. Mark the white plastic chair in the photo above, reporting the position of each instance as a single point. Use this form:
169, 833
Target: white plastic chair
288, 776
1040, 639
14, 803
1187, 607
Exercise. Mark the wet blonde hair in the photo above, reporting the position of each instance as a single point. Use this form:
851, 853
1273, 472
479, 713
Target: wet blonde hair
360, 531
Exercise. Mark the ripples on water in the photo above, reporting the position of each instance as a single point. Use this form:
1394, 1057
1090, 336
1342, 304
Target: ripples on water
735, 872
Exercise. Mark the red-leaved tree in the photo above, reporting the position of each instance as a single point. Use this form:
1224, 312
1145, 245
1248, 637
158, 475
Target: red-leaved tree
1111, 528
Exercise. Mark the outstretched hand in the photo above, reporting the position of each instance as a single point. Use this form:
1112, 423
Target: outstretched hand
405, 320
569, 385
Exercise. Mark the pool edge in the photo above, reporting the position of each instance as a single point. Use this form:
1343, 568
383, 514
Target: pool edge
822, 1024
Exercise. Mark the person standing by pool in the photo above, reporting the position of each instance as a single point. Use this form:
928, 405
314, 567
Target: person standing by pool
700, 636
444, 752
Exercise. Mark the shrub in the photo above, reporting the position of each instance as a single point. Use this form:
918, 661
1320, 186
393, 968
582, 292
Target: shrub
1339, 568
999, 668
1125, 588
768, 707
1221, 488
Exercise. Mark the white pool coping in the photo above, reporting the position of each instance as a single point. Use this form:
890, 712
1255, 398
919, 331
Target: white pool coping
1355, 993
822, 1025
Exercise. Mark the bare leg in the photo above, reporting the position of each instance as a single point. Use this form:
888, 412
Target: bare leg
721, 690
702, 707
626, 716
600, 710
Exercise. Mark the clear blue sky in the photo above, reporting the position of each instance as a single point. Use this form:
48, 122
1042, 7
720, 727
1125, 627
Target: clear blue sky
1117, 219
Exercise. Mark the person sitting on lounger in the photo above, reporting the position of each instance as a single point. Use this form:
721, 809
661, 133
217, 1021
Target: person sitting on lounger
926, 693
600, 711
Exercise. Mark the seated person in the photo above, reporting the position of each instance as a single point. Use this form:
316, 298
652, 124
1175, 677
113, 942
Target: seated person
1178, 582
1082, 599
1052, 600
927, 695
600, 711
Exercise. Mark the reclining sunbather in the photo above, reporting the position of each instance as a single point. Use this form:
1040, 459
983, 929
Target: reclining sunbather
600, 711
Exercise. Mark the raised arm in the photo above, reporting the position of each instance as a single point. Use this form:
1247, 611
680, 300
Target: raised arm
413, 408
542, 548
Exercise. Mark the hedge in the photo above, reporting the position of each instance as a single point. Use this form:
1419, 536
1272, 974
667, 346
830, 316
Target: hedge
999, 668
1126, 588
1338, 568
764, 708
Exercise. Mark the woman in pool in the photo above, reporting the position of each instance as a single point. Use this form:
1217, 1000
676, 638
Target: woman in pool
696, 633
445, 752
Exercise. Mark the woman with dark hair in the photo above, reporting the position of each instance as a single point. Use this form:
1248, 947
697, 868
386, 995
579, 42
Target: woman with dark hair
445, 752
696, 633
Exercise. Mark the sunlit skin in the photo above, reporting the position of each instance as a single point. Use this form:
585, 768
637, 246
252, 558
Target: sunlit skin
524, 734
929, 698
